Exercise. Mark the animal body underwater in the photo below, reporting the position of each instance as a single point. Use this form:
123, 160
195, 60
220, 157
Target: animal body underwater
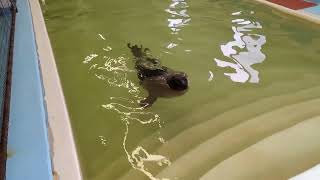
158, 80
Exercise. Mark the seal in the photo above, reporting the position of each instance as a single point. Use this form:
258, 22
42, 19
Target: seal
158, 80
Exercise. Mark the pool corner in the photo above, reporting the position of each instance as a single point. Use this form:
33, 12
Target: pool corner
307, 12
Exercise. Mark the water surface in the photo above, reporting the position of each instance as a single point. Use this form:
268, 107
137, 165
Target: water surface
251, 111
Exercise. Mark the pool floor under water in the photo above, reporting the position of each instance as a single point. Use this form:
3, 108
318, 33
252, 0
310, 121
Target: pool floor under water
251, 110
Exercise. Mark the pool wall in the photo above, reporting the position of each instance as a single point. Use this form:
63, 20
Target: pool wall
65, 159
40, 139
28, 145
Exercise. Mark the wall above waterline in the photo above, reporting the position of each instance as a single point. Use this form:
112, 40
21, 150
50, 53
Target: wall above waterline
40, 136
28, 132
308, 10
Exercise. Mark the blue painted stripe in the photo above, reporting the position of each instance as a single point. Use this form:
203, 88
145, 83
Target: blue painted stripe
315, 1
313, 10
28, 133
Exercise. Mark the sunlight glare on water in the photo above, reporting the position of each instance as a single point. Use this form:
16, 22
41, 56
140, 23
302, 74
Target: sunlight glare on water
244, 38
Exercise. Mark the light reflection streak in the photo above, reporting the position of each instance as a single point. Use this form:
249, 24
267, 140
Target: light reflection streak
102, 37
210, 76
244, 51
178, 18
114, 72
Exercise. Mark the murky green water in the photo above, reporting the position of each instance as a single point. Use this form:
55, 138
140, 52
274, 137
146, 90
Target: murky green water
252, 108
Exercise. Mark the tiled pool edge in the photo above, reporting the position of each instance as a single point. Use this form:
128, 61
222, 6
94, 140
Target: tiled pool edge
298, 13
65, 159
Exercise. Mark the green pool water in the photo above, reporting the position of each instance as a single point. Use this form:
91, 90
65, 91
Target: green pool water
251, 111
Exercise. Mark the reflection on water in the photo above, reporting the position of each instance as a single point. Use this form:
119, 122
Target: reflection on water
178, 18
114, 71
244, 51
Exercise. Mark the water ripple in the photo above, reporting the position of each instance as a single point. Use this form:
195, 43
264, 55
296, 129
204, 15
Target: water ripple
178, 19
114, 71
244, 51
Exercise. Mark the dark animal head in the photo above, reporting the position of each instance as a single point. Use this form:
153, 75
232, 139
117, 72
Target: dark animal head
178, 82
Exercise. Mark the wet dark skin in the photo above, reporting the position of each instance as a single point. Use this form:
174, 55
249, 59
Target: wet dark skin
158, 80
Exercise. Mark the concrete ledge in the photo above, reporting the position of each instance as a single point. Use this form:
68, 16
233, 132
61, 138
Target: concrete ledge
298, 13
65, 159
311, 174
